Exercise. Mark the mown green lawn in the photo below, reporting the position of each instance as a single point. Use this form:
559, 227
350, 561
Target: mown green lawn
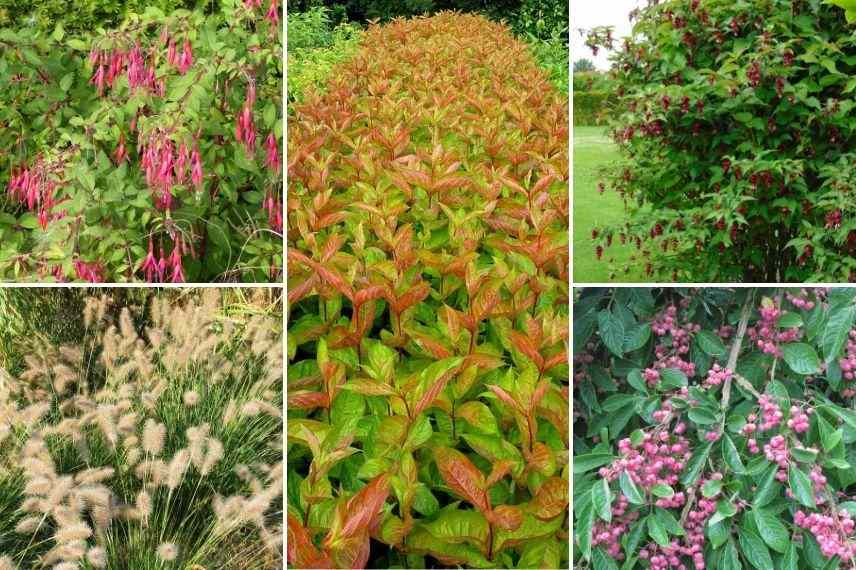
592, 151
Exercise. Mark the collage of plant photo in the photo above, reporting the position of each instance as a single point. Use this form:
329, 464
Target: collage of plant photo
529, 284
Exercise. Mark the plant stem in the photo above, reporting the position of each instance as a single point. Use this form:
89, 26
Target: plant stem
735, 348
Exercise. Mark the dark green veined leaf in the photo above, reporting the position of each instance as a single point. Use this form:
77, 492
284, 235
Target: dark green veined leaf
702, 416
801, 358
634, 537
837, 328
695, 465
829, 437
731, 558
711, 488
585, 522
672, 378
790, 320
600, 561
731, 455
791, 559
630, 490
601, 498
718, 533
754, 549
662, 490
801, 486
710, 343
611, 331
768, 489
636, 337
669, 522
657, 531
771, 529
583, 463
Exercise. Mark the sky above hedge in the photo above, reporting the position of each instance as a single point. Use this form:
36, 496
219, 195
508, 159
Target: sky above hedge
587, 15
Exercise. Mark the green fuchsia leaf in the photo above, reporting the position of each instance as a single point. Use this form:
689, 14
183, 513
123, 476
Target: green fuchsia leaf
462, 477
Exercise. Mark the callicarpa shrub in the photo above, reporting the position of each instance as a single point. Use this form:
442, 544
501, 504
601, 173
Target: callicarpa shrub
155, 442
714, 428
427, 288
146, 152
736, 125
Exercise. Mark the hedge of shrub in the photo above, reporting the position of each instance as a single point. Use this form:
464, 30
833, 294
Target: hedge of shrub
737, 128
315, 46
428, 305
714, 428
145, 152
539, 18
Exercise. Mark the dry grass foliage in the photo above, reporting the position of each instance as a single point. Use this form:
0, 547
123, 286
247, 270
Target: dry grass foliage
147, 446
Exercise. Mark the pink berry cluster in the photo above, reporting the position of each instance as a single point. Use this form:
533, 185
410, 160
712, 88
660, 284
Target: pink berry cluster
799, 419
801, 301
659, 459
717, 375
607, 535
766, 335
832, 532
672, 356
692, 544
777, 452
166, 166
771, 415
818, 479
34, 187
848, 361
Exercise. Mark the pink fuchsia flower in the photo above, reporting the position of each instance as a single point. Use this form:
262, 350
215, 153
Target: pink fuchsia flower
181, 163
149, 266
99, 79
272, 150
272, 15
175, 263
274, 209
186, 58
196, 166
89, 271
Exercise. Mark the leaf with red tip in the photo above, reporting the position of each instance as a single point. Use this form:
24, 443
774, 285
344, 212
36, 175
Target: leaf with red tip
507, 517
333, 278
365, 507
302, 552
307, 400
551, 498
506, 397
462, 477
436, 376
413, 295
523, 343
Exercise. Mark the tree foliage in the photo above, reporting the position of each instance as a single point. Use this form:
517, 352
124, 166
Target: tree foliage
736, 121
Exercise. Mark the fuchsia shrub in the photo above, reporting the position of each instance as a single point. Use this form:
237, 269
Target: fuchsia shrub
714, 428
148, 152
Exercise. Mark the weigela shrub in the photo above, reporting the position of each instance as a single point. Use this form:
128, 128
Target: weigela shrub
714, 428
737, 127
146, 152
157, 439
427, 271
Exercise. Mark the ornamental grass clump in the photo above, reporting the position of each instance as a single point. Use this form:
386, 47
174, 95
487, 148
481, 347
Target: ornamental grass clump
751, 470
103, 465
427, 272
